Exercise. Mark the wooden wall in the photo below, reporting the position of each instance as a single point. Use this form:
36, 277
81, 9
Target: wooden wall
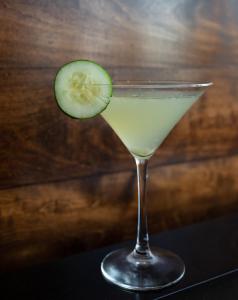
66, 185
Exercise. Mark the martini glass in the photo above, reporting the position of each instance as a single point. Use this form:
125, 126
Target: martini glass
142, 114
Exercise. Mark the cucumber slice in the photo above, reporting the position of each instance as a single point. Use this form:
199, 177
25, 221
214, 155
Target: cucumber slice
82, 89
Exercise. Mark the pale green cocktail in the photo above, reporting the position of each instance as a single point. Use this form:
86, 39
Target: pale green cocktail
143, 123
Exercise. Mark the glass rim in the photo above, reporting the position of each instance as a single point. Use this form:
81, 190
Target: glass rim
141, 84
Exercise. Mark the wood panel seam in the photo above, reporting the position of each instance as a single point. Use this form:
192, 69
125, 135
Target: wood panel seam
98, 174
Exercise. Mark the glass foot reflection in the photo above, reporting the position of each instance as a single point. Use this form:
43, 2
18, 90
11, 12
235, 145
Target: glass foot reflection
130, 270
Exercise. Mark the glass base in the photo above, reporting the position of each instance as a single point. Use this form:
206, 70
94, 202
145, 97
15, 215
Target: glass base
133, 271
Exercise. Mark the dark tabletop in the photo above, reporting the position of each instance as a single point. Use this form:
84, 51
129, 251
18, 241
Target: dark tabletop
209, 250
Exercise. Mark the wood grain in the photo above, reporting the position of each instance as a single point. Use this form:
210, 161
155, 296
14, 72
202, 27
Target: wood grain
119, 33
56, 219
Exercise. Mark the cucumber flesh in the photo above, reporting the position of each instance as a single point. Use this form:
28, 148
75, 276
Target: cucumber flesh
82, 89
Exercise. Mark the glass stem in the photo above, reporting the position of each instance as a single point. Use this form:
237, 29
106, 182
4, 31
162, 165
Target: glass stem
142, 243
